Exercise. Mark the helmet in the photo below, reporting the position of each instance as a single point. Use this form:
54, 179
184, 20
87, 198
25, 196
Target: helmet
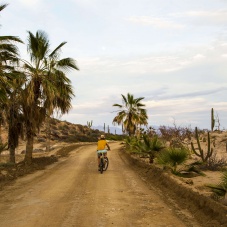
102, 137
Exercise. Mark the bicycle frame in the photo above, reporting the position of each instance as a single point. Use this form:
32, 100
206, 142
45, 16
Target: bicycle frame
104, 162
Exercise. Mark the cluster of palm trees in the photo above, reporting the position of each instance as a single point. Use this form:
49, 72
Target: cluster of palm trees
31, 91
131, 114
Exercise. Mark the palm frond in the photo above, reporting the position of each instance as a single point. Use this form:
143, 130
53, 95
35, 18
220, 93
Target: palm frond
67, 64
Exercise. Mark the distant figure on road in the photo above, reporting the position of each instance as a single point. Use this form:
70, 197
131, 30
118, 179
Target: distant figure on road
101, 147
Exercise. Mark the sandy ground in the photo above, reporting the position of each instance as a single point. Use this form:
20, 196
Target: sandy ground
73, 193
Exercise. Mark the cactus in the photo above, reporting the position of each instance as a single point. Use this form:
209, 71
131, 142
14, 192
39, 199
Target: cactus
89, 124
108, 129
201, 154
104, 127
212, 119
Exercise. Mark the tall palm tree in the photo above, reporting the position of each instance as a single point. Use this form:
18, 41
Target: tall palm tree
47, 88
15, 116
131, 113
9, 59
8, 56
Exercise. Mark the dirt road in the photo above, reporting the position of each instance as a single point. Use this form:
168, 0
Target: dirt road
73, 193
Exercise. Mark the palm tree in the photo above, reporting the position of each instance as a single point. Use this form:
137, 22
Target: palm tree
9, 58
15, 115
47, 88
131, 114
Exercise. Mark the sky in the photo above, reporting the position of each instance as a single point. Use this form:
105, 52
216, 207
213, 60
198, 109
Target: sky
171, 52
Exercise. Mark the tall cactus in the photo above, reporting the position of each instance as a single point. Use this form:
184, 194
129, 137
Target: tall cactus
89, 124
200, 153
108, 129
104, 127
212, 119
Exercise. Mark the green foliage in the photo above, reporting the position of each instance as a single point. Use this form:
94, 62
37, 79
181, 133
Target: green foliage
220, 189
131, 143
200, 153
148, 146
7, 164
116, 137
173, 157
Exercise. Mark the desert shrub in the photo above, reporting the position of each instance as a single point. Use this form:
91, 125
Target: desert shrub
148, 146
65, 127
71, 139
116, 137
131, 143
219, 189
7, 164
54, 127
53, 121
173, 157
60, 127
214, 163
72, 131
176, 135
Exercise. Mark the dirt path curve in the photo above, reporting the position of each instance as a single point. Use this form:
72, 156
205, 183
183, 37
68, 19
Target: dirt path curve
73, 193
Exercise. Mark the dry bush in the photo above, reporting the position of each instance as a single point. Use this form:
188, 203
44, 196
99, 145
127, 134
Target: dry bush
176, 135
216, 164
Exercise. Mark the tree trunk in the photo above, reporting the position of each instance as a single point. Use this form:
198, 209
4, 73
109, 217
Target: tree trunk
12, 154
29, 149
48, 134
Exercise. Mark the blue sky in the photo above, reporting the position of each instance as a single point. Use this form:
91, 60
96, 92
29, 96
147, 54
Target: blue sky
173, 53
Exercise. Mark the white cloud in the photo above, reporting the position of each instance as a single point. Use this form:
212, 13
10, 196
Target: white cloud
155, 22
207, 18
31, 4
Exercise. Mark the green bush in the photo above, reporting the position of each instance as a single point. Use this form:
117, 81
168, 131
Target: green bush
173, 157
220, 189
148, 146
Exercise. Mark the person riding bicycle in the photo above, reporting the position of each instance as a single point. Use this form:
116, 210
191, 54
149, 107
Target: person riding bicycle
101, 147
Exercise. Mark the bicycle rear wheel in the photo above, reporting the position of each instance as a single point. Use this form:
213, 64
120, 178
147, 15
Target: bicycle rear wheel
106, 163
101, 165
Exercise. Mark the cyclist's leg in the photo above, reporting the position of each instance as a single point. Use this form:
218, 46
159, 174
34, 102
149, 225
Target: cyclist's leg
98, 158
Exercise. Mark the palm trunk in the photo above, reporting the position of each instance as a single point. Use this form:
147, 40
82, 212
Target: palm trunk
29, 147
12, 134
12, 154
48, 134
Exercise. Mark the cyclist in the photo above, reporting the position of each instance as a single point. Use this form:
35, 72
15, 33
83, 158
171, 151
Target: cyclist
101, 147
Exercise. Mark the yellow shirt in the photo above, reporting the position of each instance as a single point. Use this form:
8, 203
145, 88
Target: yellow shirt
101, 144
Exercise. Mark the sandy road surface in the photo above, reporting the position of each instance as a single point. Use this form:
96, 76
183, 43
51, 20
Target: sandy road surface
74, 193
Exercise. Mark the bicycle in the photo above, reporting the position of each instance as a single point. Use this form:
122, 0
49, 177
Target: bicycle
104, 162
